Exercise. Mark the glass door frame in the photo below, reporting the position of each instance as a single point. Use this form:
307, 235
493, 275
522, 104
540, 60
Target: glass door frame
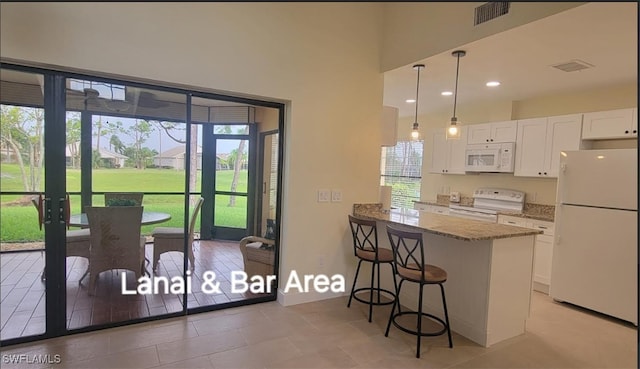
208, 229
55, 108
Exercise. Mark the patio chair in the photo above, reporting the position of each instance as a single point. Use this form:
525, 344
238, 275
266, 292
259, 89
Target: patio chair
115, 241
258, 253
78, 240
167, 239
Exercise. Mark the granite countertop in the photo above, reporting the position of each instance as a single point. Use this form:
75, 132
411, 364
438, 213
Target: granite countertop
454, 227
530, 210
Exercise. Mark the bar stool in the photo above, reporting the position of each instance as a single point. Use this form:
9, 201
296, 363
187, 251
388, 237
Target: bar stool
365, 248
409, 260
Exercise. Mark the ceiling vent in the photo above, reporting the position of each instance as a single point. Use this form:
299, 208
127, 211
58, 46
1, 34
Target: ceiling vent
489, 11
573, 65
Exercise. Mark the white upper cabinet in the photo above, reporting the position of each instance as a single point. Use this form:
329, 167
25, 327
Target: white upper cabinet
539, 143
495, 132
610, 124
447, 156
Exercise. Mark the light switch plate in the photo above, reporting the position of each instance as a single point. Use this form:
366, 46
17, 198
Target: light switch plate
324, 195
336, 195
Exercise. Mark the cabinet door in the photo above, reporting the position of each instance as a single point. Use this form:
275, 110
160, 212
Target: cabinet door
479, 133
531, 147
456, 153
608, 124
543, 259
503, 131
563, 134
439, 152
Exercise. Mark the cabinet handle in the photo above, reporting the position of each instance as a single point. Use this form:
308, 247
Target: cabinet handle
634, 131
539, 173
542, 227
626, 132
545, 173
492, 140
510, 222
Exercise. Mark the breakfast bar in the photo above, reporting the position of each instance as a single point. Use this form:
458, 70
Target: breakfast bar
489, 269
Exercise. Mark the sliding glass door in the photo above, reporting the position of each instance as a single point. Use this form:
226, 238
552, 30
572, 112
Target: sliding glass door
68, 141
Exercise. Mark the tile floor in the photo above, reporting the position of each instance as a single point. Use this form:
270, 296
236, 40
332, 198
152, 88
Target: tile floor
326, 334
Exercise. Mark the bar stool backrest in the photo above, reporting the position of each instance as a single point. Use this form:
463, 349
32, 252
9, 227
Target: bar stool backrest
365, 236
408, 251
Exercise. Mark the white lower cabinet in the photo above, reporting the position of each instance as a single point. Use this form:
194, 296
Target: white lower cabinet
436, 209
543, 249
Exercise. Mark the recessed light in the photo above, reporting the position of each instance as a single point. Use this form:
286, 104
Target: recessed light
446, 93
493, 84
410, 101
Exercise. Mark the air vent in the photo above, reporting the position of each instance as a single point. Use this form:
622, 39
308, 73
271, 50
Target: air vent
573, 65
492, 10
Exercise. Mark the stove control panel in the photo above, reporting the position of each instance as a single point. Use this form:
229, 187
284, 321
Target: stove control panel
499, 194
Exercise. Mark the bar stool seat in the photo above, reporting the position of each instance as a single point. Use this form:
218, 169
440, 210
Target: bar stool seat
409, 260
365, 246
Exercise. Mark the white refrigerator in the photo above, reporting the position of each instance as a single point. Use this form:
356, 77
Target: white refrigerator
595, 253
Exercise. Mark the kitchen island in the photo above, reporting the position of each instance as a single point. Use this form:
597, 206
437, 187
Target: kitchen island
489, 269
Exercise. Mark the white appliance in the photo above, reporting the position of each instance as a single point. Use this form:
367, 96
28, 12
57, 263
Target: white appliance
493, 157
595, 253
487, 202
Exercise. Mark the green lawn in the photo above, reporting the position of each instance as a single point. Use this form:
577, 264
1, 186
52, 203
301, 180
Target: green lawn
18, 221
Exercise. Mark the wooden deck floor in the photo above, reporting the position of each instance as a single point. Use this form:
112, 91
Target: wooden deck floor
22, 307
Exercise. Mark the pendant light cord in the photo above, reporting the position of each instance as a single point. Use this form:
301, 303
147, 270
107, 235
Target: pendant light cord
455, 93
417, 89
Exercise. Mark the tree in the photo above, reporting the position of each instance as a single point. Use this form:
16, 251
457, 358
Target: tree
116, 145
73, 138
140, 131
21, 130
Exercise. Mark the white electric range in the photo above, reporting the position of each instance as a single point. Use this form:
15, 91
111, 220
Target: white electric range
487, 202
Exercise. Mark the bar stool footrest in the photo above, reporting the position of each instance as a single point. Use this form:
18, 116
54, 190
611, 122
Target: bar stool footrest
388, 294
415, 333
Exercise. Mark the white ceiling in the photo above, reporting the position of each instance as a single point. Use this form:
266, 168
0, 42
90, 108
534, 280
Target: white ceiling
601, 34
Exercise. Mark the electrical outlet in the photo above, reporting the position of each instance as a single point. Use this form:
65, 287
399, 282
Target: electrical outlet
336, 195
324, 195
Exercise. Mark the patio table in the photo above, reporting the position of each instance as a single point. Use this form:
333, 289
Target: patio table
148, 217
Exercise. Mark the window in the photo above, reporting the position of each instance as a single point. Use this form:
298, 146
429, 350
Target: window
401, 168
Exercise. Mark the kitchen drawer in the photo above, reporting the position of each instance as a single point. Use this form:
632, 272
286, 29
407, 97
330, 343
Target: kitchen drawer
546, 227
422, 207
435, 209
514, 221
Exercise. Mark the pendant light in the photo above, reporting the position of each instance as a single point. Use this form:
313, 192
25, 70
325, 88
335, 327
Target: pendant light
453, 132
415, 134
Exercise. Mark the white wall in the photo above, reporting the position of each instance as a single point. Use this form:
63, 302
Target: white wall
322, 59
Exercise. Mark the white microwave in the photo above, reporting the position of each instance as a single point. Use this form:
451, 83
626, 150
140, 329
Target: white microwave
495, 158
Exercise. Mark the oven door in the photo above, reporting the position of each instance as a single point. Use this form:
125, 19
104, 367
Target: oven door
475, 215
